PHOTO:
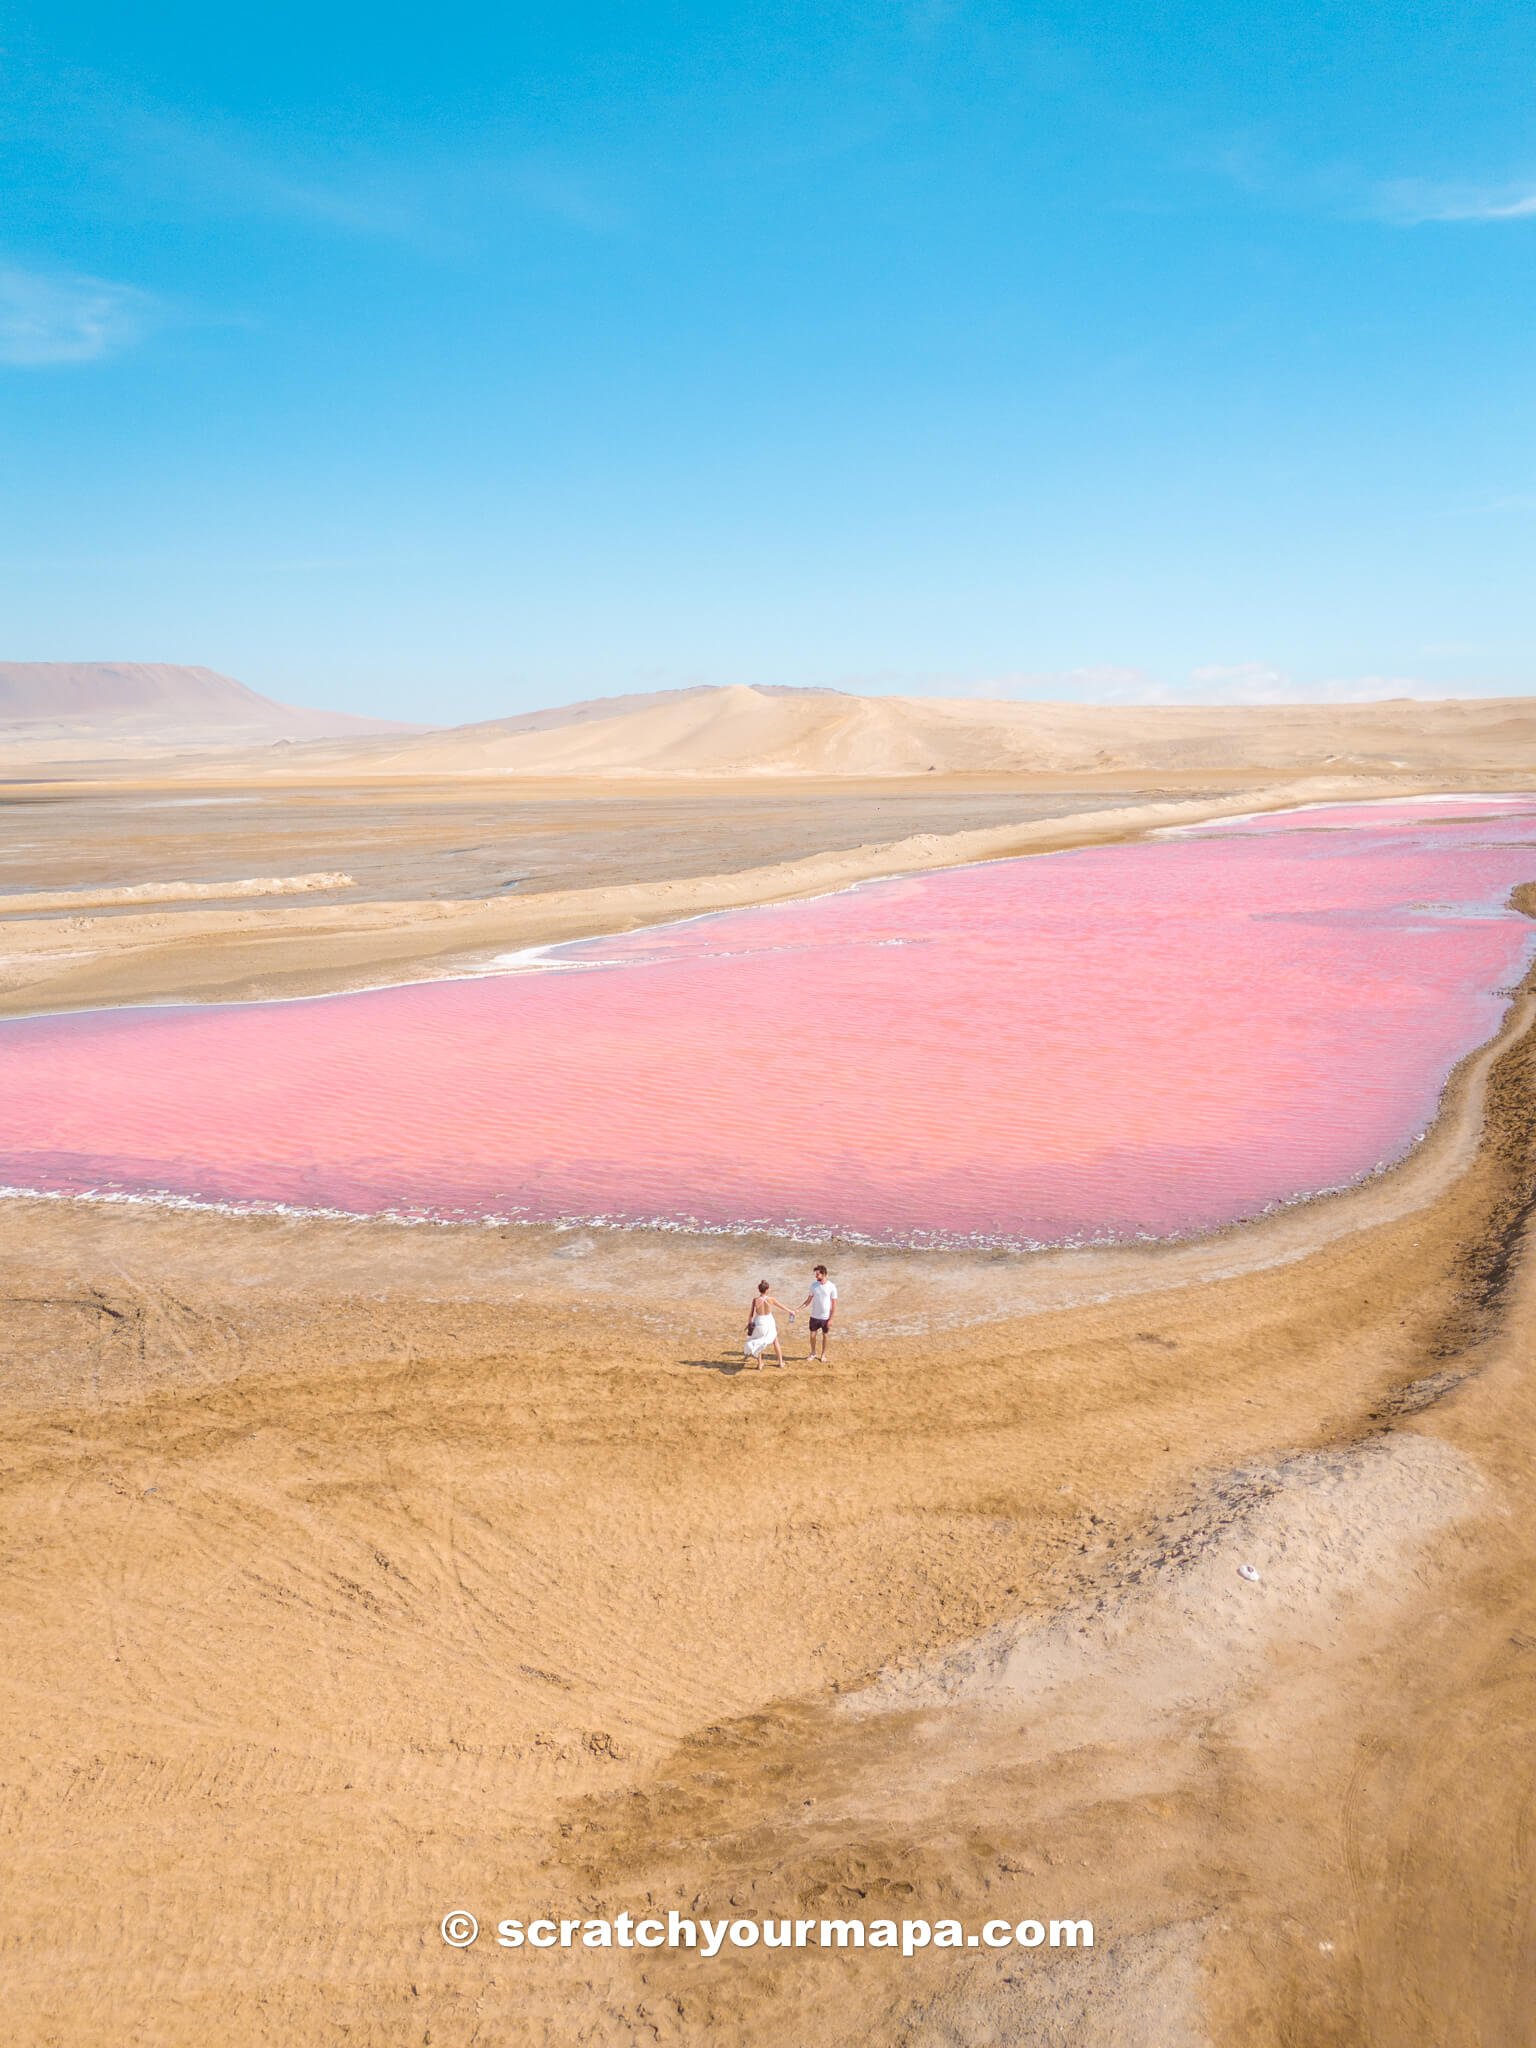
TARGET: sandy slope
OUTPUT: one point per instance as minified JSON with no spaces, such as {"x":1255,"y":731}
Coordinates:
{"x":741,"y":731}
{"x":736,"y":731}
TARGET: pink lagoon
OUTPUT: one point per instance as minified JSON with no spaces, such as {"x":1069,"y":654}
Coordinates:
{"x":1149,"y":1039}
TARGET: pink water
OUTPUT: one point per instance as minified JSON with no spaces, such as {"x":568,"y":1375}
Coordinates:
{"x":1144,"y":1039}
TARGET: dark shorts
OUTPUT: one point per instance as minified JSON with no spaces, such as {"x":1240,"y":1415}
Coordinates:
{"x":820,"y":1322}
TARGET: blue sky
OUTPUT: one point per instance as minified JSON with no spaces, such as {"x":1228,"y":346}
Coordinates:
{"x":443,"y":362}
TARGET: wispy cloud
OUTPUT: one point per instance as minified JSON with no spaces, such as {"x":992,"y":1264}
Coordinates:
{"x":1239,"y":682}
{"x":1104,"y":683}
{"x":1257,"y":682}
{"x":1242,"y":682}
{"x":1414,"y":202}
{"x":214,"y":167}
{"x":1251,"y":163}
{"x":1381,"y":689}
{"x":55,"y":317}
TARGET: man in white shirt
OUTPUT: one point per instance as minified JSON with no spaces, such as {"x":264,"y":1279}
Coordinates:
{"x":822,"y":1303}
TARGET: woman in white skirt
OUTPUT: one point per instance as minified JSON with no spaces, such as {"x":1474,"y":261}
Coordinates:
{"x":762,"y":1330}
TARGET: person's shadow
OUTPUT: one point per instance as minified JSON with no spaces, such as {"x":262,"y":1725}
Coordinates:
{"x":732,"y":1365}
{"x":727,"y":1367}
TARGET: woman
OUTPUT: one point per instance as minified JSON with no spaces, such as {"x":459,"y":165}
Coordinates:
{"x":762,"y":1330}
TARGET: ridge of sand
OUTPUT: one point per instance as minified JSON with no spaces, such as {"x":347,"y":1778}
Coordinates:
{"x":171,"y":892}
{"x":739,"y":731}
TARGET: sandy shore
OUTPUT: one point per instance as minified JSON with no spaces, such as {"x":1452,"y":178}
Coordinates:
{"x":359,"y":1572}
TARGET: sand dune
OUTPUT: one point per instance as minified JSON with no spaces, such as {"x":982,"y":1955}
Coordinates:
{"x":736,"y":731}
{"x":105,"y":711}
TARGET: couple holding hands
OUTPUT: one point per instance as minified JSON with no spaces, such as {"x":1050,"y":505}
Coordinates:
{"x":763,"y":1330}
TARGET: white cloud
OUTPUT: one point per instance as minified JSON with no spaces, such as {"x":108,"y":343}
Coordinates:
{"x":1106,"y":684}
{"x":1243,"y":682}
{"x":1416,"y":203}
{"x":1378,"y":689}
{"x":1240,"y":682}
{"x":1523,"y":208}
{"x":1254,"y":682}
{"x":62,"y":317}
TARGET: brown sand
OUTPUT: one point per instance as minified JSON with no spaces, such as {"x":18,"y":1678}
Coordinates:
{"x":356,"y":1573}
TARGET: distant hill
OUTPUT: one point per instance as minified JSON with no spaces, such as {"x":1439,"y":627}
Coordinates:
{"x":738,"y":731}
{"x":106,"y":710}
{"x":105,"y":707}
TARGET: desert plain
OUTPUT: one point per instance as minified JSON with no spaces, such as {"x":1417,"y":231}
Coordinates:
{"x":358,"y":1571}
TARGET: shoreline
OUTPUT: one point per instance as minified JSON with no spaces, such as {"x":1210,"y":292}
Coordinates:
{"x":1059,"y":1272}
{"x":962,"y":1287}
{"x":53,"y":966}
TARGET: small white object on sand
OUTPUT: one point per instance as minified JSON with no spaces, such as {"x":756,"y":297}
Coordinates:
{"x":1249,"y":1572}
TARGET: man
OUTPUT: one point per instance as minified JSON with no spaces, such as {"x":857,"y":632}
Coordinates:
{"x":822,"y":1303}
